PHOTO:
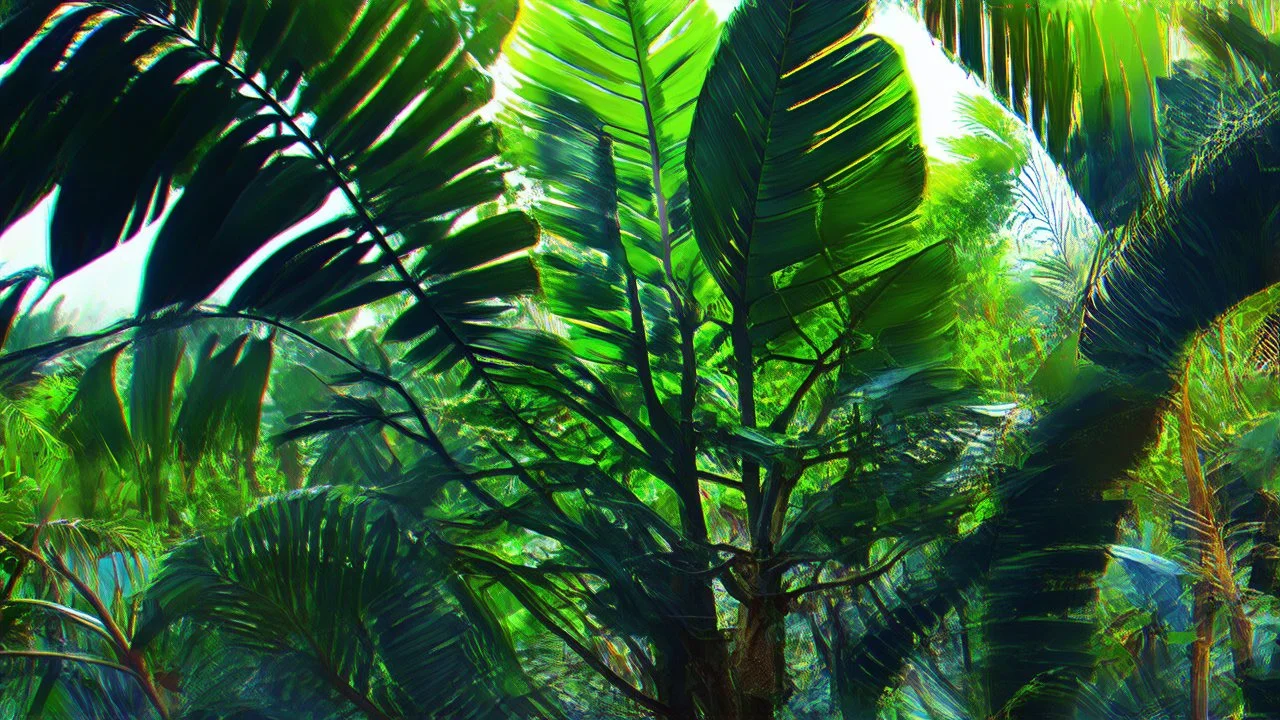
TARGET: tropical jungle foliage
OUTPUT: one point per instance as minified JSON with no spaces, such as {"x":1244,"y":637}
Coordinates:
{"x":635,"y":358}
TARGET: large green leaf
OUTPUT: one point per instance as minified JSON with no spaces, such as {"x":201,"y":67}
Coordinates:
{"x":804,"y":159}
{"x":205,"y":420}
{"x":637,"y":66}
{"x":156,"y":360}
{"x":604,"y":98}
{"x":94,"y":421}
{"x":93,"y":425}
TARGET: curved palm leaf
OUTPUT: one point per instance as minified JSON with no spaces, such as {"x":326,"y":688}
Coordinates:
{"x":236,"y":119}
{"x":1191,"y":256}
{"x":345,"y":597}
{"x":220,"y":407}
{"x":94,"y":426}
{"x":1188,"y":258}
{"x":1040,"y":558}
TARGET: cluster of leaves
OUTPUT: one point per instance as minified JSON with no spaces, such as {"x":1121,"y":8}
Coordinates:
{"x":703,"y":412}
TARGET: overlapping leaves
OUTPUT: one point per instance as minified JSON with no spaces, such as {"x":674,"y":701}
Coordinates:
{"x":1082,"y":74}
{"x":355,"y":603}
{"x":232,"y":122}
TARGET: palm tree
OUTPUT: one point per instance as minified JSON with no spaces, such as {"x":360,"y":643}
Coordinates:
{"x":726,"y":370}
{"x":842,"y":322}
{"x":1161,"y":286}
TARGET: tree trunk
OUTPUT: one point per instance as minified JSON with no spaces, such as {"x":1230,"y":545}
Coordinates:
{"x":694,"y":675}
{"x":1203,"y":613}
{"x":759,"y":662}
{"x":694,"y":678}
{"x":1214,"y":561}
{"x":672,"y":667}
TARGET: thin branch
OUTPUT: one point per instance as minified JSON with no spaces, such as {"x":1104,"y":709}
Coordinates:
{"x":69,"y":613}
{"x":853,"y":580}
{"x":12,"y":584}
{"x":123,"y":650}
{"x":821,"y":367}
{"x":57,"y":347}
{"x":46,"y":655}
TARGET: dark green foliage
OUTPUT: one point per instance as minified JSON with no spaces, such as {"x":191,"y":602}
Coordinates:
{"x":756,"y":412}
{"x":341,"y":601}
{"x":1169,"y":278}
{"x":1081,"y":74}
{"x":1191,"y":256}
{"x":269,"y":111}
{"x":776,"y":159}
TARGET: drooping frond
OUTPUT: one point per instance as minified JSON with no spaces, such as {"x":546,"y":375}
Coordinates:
{"x":1081,"y":73}
{"x":356,"y":605}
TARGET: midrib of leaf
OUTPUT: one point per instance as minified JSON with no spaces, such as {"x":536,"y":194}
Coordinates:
{"x":749,"y":229}
{"x":686,"y":475}
{"x":331,"y":675}
{"x":641,"y":46}
{"x":742,"y":349}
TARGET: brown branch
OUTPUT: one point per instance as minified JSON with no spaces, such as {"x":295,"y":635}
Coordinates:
{"x":12,"y":584}
{"x":123,"y":651}
{"x":1215,"y":563}
{"x":69,"y":613}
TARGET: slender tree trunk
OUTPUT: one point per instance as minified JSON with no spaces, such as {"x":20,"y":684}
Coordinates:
{"x":1204,"y":603}
{"x":759,"y":661}
{"x":1215,"y":563}
{"x":694,"y":666}
{"x":1226,"y":362}
{"x":713,"y":674}
{"x":1205,"y":609}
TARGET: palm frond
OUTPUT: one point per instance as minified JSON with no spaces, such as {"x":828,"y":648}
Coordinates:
{"x":229,"y":123}
{"x":1081,"y":74}
{"x":334,"y":583}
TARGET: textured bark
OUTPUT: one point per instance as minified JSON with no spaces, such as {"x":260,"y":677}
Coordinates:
{"x":759,"y":661}
{"x":1215,"y":563}
{"x":1204,"y":611}
{"x":694,"y":672}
